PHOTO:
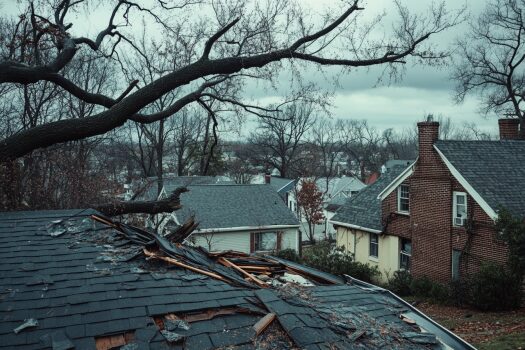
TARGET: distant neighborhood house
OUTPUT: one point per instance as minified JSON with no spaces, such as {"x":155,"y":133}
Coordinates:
{"x":437,"y":216}
{"x":358,"y":223}
{"x":245,"y":218}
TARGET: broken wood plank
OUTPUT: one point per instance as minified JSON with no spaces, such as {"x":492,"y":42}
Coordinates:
{"x":263,"y":323}
{"x":180,"y":264}
{"x":228,"y":263}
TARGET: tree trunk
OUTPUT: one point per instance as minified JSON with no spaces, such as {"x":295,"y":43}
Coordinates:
{"x":167,"y":205}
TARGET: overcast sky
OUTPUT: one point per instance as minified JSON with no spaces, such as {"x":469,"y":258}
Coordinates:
{"x":423,"y":90}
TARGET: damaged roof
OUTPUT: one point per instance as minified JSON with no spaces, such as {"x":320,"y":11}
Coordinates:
{"x":74,"y":279}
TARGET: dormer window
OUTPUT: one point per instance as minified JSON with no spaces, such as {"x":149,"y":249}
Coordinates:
{"x":403,"y":199}
{"x":459,"y":210}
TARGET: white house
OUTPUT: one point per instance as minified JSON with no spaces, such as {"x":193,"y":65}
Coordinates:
{"x":246,"y":218}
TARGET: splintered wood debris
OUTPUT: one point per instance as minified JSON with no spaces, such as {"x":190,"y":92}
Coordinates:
{"x":311,"y":307}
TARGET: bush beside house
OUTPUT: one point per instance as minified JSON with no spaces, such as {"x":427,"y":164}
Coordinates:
{"x":325,"y":257}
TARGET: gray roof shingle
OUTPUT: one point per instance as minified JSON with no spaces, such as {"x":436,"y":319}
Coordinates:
{"x":495,"y":169}
{"x":78,"y":289}
{"x":226,"y":206}
{"x":364,"y":209}
{"x":281,"y":184}
{"x":170,"y":183}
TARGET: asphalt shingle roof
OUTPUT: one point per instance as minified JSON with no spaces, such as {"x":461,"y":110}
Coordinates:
{"x":76,"y":287}
{"x":495,"y":169}
{"x":170,"y":183}
{"x":226,"y":206}
{"x":81,"y":280}
{"x":364,"y":209}
{"x":281,"y":184}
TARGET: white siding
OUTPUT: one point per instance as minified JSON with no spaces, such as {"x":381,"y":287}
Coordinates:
{"x":290,"y":239}
{"x":240,"y":240}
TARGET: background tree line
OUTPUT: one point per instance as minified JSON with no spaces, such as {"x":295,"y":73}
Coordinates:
{"x":80,"y":115}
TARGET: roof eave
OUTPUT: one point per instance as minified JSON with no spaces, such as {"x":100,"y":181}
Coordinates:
{"x":245,"y":228}
{"x":345,"y":224}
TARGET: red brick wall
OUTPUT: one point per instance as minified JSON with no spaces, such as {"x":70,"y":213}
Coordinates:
{"x":430,"y":227}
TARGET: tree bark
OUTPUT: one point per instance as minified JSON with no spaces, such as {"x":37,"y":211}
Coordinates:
{"x":167,"y":205}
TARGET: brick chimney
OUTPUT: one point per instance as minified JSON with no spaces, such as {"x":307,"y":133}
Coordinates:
{"x":428,"y":133}
{"x":267,"y":178}
{"x":509,"y":129}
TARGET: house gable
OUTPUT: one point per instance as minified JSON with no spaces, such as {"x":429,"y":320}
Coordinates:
{"x":468,"y":188}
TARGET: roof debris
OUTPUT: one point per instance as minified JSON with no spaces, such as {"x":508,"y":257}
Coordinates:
{"x":28,"y":323}
{"x":115,"y":285}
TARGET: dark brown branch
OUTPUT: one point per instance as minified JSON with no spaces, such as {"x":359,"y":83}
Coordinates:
{"x":127,"y":109}
{"x":215,"y":37}
{"x":177,"y":106}
{"x":327,"y":29}
{"x":215,"y":137}
{"x":167,"y":205}
{"x":128,"y":90}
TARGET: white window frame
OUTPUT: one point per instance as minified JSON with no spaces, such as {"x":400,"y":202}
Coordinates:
{"x":399,"y":199}
{"x":370,"y":245}
{"x":405,"y":253}
{"x":455,"y":195}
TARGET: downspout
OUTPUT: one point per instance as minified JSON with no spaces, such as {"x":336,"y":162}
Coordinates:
{"x":355,"y":242}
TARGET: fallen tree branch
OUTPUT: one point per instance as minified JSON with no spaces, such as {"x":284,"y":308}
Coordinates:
{"x":167,"y":205}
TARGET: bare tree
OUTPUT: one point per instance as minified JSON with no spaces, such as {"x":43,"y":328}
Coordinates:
{"x":491,"y":59}
{"x":363,"y":144}
{"x":187,"y":136}
{"x":64,"y":176}
{"x":281,"y":141}
{"x":250,"y":46}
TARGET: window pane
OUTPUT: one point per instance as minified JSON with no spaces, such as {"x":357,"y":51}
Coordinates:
{"x":404,"y":261}
{"x":265,"y":241}
{"x":461,"y":211}
{"x":404,"y":195}
{"x":406,"y":246}
{"x":374,"y":245}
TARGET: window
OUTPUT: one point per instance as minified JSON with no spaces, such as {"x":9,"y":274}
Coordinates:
{"x":405,"y":254}
{"x":374,"y":245}
{"x":403,"y":198}
{"x":265,"y":241}
{"x":459,"y":210}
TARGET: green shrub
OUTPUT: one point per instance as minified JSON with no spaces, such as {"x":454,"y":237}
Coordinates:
{"x":400,"y":282}
{"x":460,"y":292}
{"x":495,"y":288}
{"x":440,"y":293}
{"x":421,"y":286}
{"x":288,"y":254}
{"x":325,"y":257}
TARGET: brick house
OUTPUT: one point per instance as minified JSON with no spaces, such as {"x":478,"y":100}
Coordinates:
{"x":441,"y":210}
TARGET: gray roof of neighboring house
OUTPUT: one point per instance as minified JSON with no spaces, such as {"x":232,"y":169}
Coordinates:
{"x":337,"y":185}
{"x":364,"y":209}
{"x":149,"y":190}
{"x":81,"y":280}
{"x":398,"y":162}
{"x":225,"y":206}
{"x":495,"y":169}
{"x":282,"y":185}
